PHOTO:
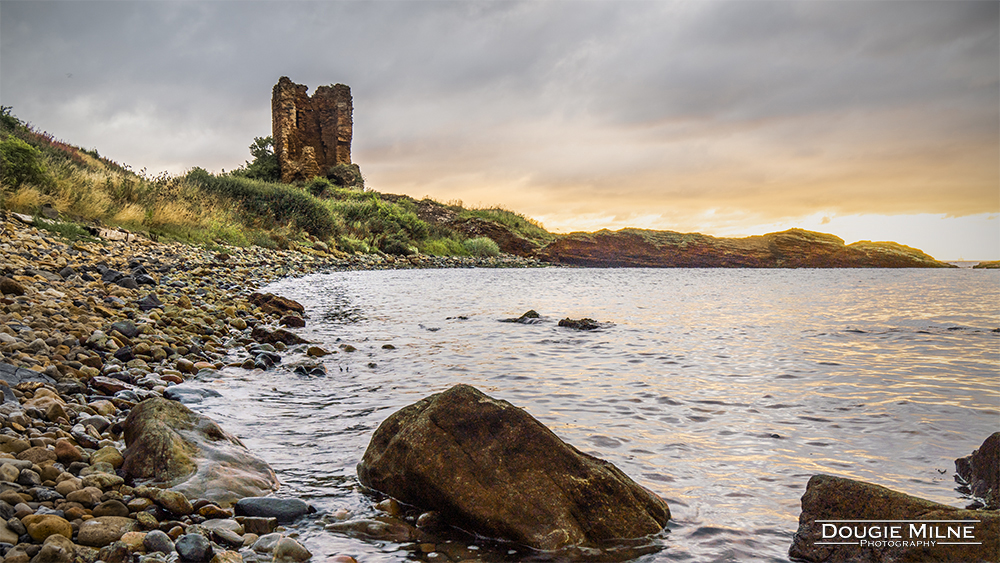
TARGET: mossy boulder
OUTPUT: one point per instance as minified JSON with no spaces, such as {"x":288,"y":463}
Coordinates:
{"x":829,"y":499}
{"x":169,"y":445}
{"x":493,"y":469}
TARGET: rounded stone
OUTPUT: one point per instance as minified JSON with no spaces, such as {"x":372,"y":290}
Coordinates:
{"x":193,"y":547}
{"x":37,"y":455}
{"x":103,"y":530}
{"x":134,"y":541}
{"x":158,"y":541}
{"x":284,"y":509}
{"x":288,"y":549}
{"x":41,"y":526}
{"x":56,"y":549}
{"x":103,"y":481}
{"x":111,"y":508}
{"x":66,"y":452}
{"x":87,"y":496}
{"x":108,"y":454}
{"x":174,"y":502}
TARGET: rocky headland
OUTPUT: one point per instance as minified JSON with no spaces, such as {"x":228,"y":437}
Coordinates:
{"x":794,"y":248}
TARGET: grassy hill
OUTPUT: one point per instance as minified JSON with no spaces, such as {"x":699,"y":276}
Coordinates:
{"x":41,"y":175}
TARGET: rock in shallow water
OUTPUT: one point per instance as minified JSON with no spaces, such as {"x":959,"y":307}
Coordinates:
{"x":828,"y":499}
{"x":168,"y":444}
{"x":497,"y":471}
{"x":284,"y":509}
{"x":981,"y":471}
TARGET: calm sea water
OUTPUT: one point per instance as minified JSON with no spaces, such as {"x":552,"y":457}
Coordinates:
{"x":721,"y":390}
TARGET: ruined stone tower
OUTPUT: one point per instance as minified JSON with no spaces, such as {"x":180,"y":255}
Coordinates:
{"x":311,"y":134}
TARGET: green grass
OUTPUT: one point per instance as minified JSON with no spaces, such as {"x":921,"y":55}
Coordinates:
{"x":481,"y":247}
{"x":69,"y":231}
{"x":234,"y":208}
{"x":270,"y":205}
{"x":516,"y":222}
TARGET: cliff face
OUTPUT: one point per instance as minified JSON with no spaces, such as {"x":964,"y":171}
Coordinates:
{"x":795,"y":248}
{"x":311,"y":134}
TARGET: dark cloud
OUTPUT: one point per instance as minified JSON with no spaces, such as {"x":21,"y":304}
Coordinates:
{"x":766,"y":108}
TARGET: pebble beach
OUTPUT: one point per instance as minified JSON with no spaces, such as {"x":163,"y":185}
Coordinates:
{"x":90,"y":328}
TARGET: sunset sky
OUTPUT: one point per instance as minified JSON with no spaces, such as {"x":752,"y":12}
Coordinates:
{"x":868,"y":120}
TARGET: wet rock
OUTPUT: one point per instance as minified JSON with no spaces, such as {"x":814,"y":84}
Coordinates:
{"x":227,"y":524}
{"x":193,"y":547}
{"x":258,"y":524}
{"x":274,"y":304}
{"x":173,"y":501}
{"x":189,"y":395}
{"x":314,"y":370}
{"x":580,"y":324}
{"x":981,"y":472}
{"x":293,"y":321}
{"x":379,"y":528}
{"x":283,"y":509}
{"x":266,"y":543}
{"x":529,"y":317}
{"x":835,"y":498}
{"x":170,"y":445}
{"x":316,"y":352}
{"x":264,"y":336}
{"x":499,"y":472}
{"x":158,"y":541}
{"x":287,"y":549}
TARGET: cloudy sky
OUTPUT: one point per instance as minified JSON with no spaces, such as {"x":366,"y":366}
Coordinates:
{"x":869,"y":120}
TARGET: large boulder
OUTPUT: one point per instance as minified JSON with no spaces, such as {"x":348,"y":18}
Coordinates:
{"x":169,"y":445}
{"x":491,"y":468}
{"x":845,"y":520}
{"x":981,"y":471}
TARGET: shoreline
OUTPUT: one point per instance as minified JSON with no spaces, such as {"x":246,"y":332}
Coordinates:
{"x":91,"y":328}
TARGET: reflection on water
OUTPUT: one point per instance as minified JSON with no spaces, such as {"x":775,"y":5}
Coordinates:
{"x":721,"y":390}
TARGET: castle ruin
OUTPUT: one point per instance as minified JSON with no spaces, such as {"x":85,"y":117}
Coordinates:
{"x":311,"y":134}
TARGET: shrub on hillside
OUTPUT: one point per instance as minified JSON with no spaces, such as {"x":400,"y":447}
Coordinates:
{"x":443,"y":247}
{"x":272,"y":204}
{"x":372,"y":216}
{"x":397,"y":244}
{"x":20,"y":163}
{"x":319,"y":186}
{"x":481,"y":247}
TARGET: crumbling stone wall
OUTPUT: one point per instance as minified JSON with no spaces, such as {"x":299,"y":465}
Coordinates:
{"x":311,"y":134}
